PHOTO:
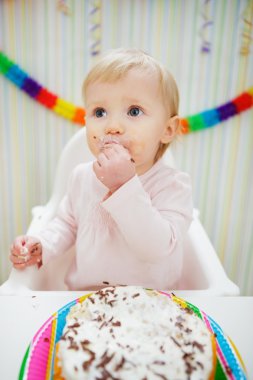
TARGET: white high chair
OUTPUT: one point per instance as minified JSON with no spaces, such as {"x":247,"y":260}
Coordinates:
{"x":202,"y":270}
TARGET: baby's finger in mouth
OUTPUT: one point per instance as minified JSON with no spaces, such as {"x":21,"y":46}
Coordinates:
{"x":23,"y":258}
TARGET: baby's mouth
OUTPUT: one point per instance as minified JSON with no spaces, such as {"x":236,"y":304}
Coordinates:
{"x":109,"y":139}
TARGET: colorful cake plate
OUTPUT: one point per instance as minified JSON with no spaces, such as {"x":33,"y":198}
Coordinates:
{"x":38,"y":361}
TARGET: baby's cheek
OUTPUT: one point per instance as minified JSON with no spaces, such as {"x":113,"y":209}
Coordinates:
{"x":136,"y":148}
{"x":93,"y":145}
{"x":136,"y":143}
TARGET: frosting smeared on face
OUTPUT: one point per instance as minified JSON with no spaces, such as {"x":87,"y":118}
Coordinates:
{"x":102,"y":141}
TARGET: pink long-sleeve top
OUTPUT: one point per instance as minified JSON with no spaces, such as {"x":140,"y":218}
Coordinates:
{"x":134,"y":237}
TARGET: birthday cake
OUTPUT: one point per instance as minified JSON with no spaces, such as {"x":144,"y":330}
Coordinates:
{"x":133,"y":333}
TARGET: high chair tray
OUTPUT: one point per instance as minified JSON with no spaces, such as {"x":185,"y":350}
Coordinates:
{"x":38,"y":361}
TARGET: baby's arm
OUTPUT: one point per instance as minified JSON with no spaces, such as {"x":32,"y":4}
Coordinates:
{"x":152,"y":227}
{"x":60,"y":234}
{"x":52,"y":241}
{"x":56,"y":238}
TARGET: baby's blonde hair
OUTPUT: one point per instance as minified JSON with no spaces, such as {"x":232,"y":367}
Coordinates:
{"x":118,"y":62}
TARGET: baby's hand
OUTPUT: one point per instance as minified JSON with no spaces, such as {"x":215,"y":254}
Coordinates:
{"x":114,"y":166}
{"x":26,"y":251}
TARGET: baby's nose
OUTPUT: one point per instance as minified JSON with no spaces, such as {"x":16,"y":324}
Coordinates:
{"x":114,"y":130}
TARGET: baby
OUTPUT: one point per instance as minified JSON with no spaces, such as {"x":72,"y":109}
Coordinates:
{"x":126,"y":212}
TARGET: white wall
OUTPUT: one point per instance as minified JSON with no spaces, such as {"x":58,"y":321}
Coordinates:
{"x":54,"y":49}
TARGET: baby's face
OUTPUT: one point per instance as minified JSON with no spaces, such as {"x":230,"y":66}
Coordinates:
{"x":131,"y":112}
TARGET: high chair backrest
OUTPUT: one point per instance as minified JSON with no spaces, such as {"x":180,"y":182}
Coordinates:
{"x":74,"y":152}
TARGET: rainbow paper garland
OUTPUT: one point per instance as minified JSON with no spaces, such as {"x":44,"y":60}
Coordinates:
{"x":209,"y":118}
{"x":39,"y":93}
{"x":200,"y":121}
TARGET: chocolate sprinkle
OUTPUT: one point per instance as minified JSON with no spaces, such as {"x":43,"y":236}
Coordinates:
{"x":189,"y":368}
{"x":159,"y":362}
{"x":120,"y":364}
{"x":161,"y":376}
{"x":88,"y":362}
{"x":162,"y":349}
{"x":116,"y":324}
{"x":102,"y":325}
{"x":200,"y":365}
{"x":105,"y":359}
{"x":84,"y":343}
{"x":111,"y":302}
{"x":106,"y":375}
{"x":74,"y":325}
{"x":198,"y":345}
{"x":175,"y":341}
{"x":73,"y":345}
{"x":179,"y":325}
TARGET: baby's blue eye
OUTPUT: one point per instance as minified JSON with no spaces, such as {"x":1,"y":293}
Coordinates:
{"x":100,"y":112}
{"x":135,"y":111}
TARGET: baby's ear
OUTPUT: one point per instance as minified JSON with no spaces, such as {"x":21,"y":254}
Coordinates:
{"x":171,"y":130}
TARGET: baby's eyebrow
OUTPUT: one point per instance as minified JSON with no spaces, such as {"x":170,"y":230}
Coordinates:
{"x":95,"y":104}
{"x":132,"y":100}
{"x":136,"y":101}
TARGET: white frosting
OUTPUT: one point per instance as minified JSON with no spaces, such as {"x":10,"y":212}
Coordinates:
{"x":132,"y":333}
{"x":24,"y":250}
{"x":25,"y":254}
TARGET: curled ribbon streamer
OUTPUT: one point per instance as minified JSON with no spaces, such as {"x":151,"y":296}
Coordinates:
{"x":247,"y":18}
{"x":205,"y":13}
{"x":95,"y":16}
{"x":202,"y":120}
